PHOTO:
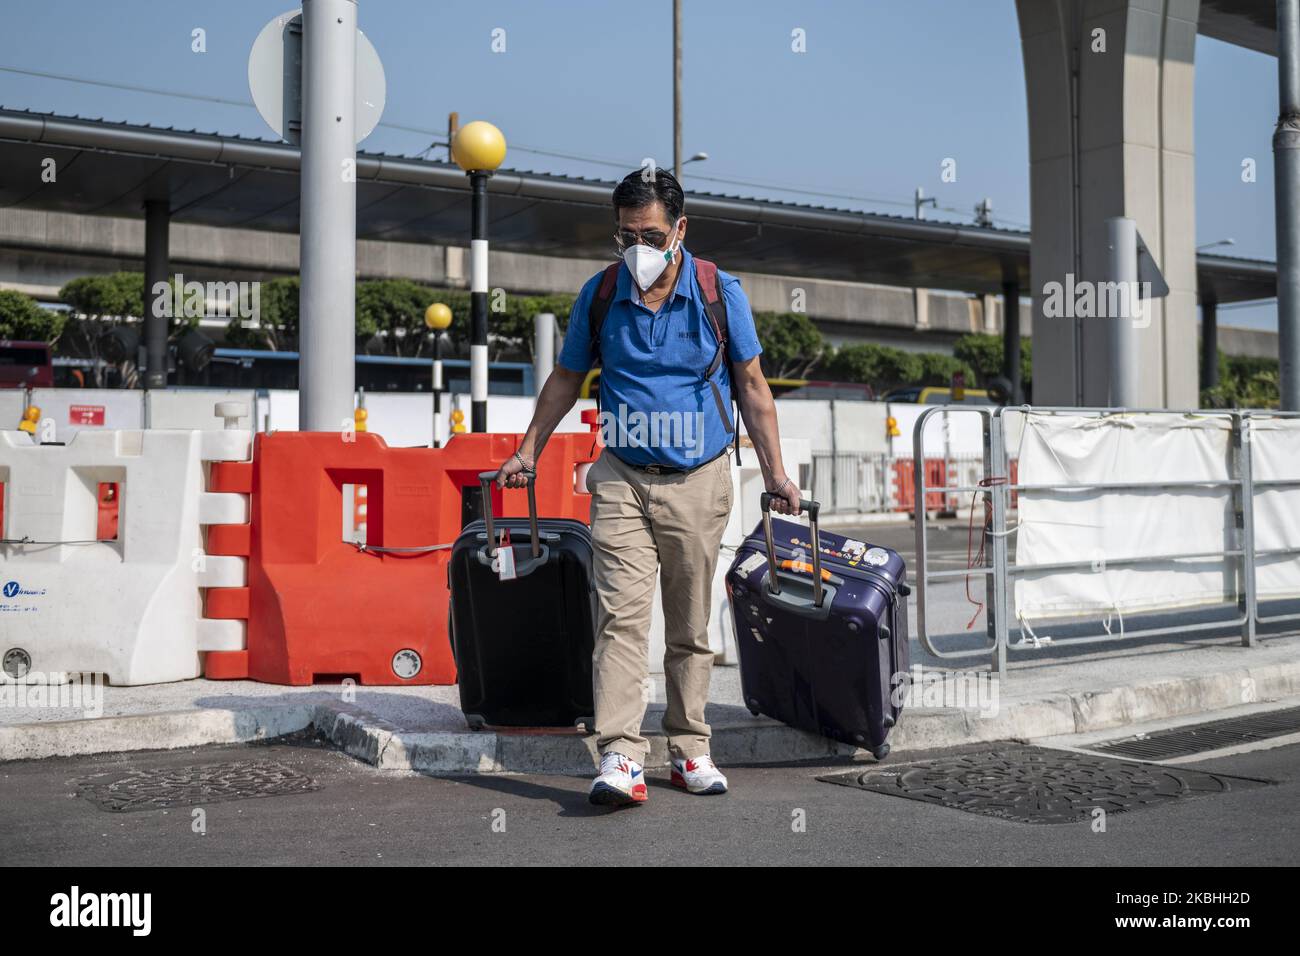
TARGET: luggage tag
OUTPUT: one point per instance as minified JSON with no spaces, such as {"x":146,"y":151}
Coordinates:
{"x":504,"y":562}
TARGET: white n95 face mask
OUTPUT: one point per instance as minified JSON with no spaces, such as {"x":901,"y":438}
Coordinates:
{"x":647,"y":264}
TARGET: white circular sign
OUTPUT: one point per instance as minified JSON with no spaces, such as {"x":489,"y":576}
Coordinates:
{"x":407,"y":663}
{"x":275,"y":79}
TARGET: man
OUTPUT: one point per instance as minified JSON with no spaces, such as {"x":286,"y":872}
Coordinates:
{"x":661,"y":488}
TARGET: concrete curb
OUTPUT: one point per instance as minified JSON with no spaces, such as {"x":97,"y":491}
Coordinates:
{"x":170,"y":730}
{"x":739,"y":739}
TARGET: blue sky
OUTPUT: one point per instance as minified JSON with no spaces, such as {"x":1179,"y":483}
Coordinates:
{"x":886,"y":90}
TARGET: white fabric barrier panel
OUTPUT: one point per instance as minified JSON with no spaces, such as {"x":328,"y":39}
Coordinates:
{"x":66,"y":411}
{"x":1275,"y":455}
{"x":79,"y":598}
{"x":1100,"y":527}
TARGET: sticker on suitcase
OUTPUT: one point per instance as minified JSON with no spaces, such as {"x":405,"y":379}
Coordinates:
{"x":851,"y":553}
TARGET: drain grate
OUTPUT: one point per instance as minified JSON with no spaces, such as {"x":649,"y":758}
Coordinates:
{"x":127,"y":790}
{"x":1200,"y":738}
{"x":1037,"y":785}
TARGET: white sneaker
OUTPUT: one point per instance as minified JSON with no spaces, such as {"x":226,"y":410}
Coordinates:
{"x":621,"y":781}
{"x":698,"y":775}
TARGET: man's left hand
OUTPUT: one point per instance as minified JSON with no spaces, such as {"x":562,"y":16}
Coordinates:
{"x":785,"y":496}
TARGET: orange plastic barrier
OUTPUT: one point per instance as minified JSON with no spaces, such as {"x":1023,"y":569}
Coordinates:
{"x":904,"y":483}
{"x":321,"y":607}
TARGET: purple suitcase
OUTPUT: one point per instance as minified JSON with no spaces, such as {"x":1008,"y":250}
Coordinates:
{"x":825,"y":650}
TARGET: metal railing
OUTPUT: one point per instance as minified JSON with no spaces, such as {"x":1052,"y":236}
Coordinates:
{"x":996,"y":490}
{"x":875,"y":482}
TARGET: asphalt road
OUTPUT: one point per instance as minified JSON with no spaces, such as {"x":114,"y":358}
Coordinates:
{"x":361,"y":816}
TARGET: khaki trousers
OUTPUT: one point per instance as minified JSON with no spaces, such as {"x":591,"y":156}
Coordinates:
{"x":643,"y":524}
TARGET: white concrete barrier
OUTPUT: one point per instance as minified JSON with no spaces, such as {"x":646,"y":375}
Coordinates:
{"x":13,"y":402}
{"x":193,"y":407}
{"x":66,"y":411}
{"x":125,"y":602}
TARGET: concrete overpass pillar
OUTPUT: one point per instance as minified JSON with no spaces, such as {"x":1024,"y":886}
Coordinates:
{"x":1110,"y":86}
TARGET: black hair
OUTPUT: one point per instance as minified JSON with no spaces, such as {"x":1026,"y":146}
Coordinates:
{"x":638,"y":190}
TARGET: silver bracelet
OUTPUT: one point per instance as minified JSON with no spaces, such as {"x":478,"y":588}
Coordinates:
{"x":781,"y":487}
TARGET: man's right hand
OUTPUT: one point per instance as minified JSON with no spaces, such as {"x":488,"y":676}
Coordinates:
{"x":511,"y":475}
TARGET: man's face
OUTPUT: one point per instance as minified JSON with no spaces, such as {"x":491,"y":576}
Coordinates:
{"x":648,"y":224}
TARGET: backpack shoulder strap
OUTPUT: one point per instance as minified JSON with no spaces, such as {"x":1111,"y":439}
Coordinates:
{"x":715,"y":306}
{"x":600,"y":304}
{"x":706,"y":276}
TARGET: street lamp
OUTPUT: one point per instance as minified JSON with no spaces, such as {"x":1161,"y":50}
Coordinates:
{"x":438,"y":318}
{"x":479,"y":149}
{"x":1221,"y":242}
{"x":697,"y":158}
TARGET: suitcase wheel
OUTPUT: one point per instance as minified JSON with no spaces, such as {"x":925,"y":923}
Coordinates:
{"x":586,"y":724}
{"x":475,"y":721}
{"x":753,"y":708}
{"x":881,"y":752}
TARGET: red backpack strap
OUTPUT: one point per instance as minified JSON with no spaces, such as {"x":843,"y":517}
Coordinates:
{"x":600,"y":304}
{"x":706,"y":277}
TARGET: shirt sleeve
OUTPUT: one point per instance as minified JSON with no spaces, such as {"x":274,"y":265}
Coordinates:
{"x":742,"y":336}
{"x":576,"y":353}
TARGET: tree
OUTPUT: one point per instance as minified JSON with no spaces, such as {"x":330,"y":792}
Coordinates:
{"x":1244,"y":382}
{"x":984,"y":354}
{"x":938,"y":369}
{"x":513,"y":328}
{"x":23,"y":319}
{"x":393,"y":310}
{"x":791,"y":343}
{"x":879,"y":366}
{"x":277,"y":324}
{"x":100,"y":304}
{"x":118,"y":295}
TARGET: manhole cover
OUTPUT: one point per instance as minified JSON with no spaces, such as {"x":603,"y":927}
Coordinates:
{"x":1200,"y":738}
{"x":1037,"y":785}
{"x":126,"y":790}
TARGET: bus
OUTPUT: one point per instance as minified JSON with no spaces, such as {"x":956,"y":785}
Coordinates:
{"x":25,"y":364}
{"x":937,"y":395}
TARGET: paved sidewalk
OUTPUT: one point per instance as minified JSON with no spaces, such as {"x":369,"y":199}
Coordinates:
{"x":422,"y":728}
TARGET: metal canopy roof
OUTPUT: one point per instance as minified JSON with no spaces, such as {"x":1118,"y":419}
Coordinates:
{"x":1248,"y":23}
{"x":110,"y":169}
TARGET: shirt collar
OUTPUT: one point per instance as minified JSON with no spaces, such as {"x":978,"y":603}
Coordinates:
{"x":685,"y":279}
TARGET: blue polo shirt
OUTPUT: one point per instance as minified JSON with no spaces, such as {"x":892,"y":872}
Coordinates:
{"x":656,"y":408}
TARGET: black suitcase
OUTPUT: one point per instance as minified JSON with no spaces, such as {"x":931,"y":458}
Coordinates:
{"x":826,"y":651}
{"x":523,"y":647}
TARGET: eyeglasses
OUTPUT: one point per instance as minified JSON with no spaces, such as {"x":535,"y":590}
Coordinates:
{"x":626,"y":238}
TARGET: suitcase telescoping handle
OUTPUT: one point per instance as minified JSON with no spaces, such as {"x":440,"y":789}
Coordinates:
{"x":812,"y":507}
{"x":485,"y":479}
